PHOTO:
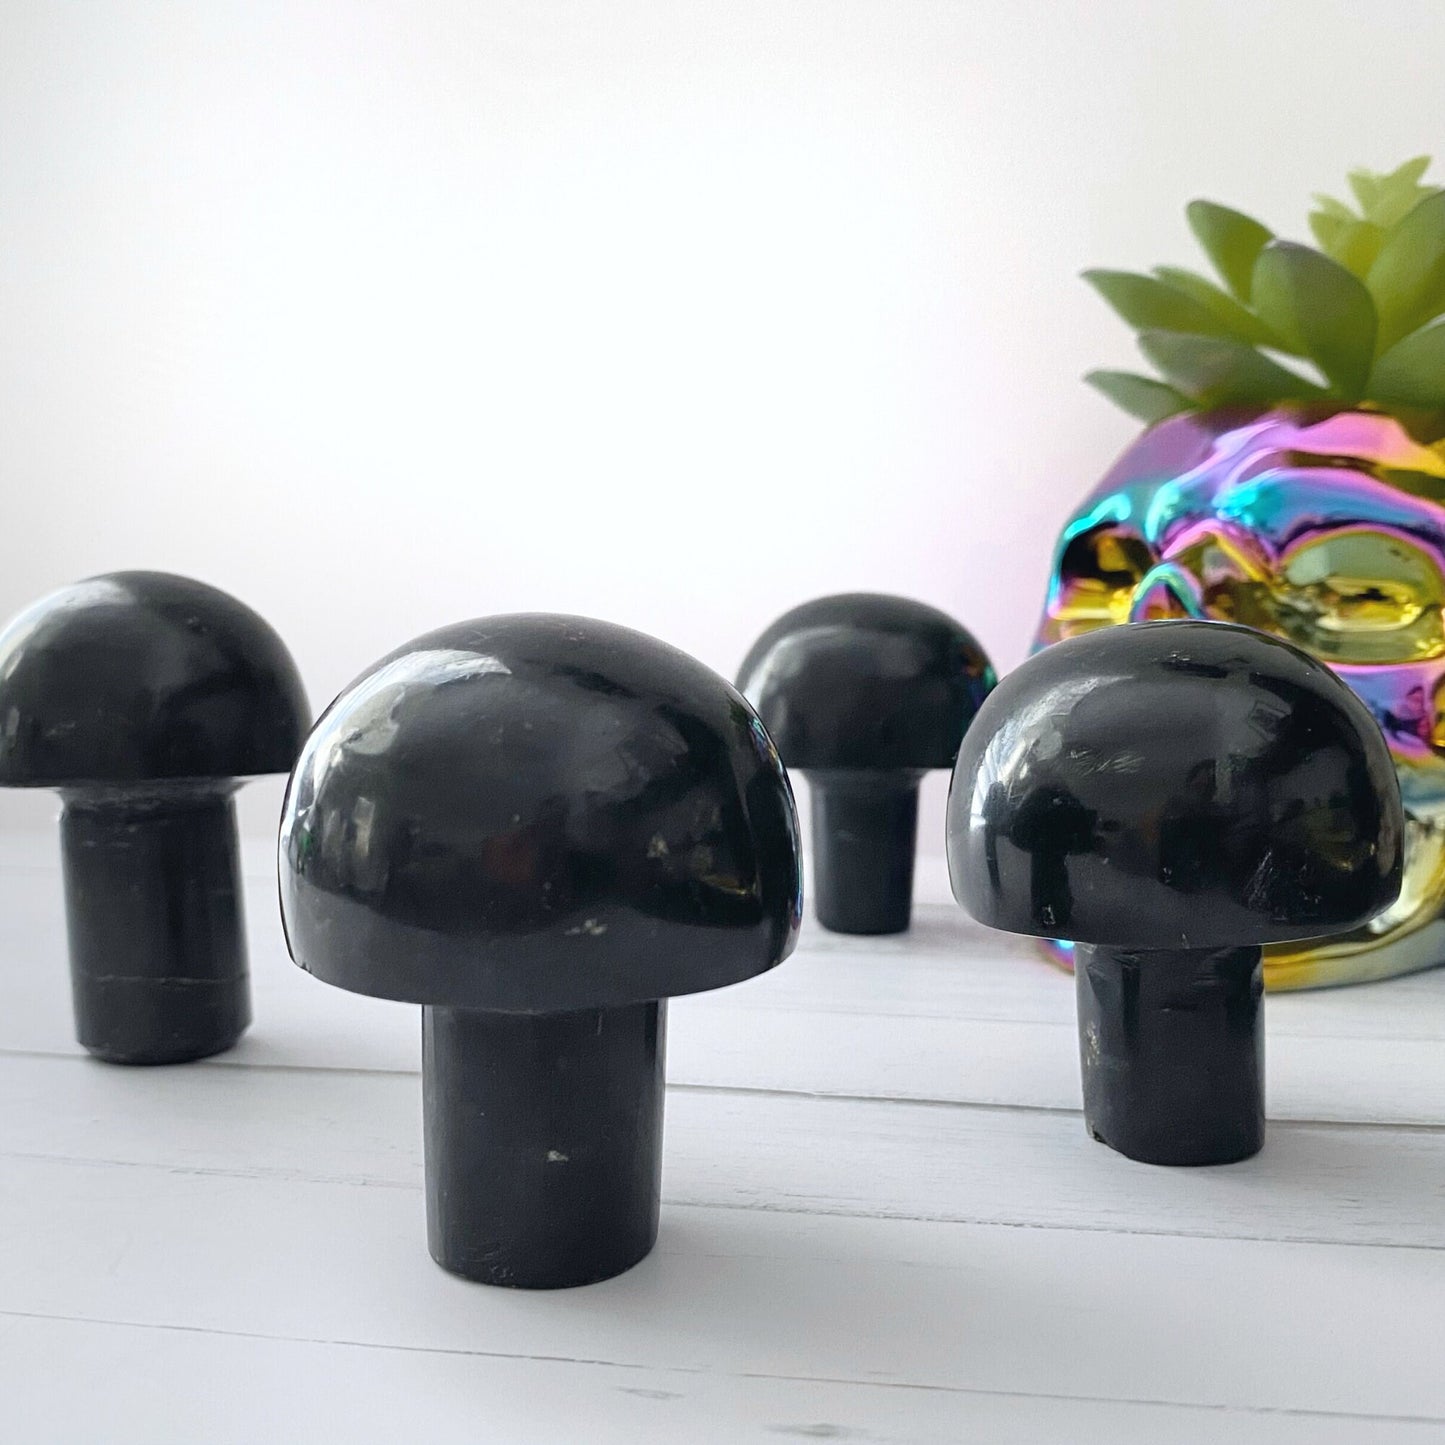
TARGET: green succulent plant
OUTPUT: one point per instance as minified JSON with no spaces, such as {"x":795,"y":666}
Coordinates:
{"x":1358,"y":320}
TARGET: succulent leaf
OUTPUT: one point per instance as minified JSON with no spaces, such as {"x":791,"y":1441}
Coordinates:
{"x":1234,"y":320}
{"x":1321,"y":309}
{"x":1384,"y":199}
{"x":1356,"y":246}
{"x":1407,"y":278}
{"x":1410,"y":172}
{"x":1411,"y":373}
{"x":1231,"y":240}
{"x":1215,"y":371}
{"x":1364,"y":313}
{"x":1366,"y":186}
{"x":1140,"y":396}
{"x":1327,"y":228}
{"x":1146,"y":303}
{"x":1397,"y":194}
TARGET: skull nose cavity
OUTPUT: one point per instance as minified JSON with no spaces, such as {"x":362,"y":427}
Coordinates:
{"x":1166,"y":590}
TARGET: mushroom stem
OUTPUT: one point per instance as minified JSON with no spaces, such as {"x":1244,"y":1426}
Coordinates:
{"x":543,"y":1141}
{"x":865,"y":833}
{"x":153,"y":909}
{"x":1172,"y":1047}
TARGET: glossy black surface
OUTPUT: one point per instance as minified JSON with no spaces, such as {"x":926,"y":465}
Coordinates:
{"x":1171,"y":1046}
{"x":537,"y":814}
{"x":145,"y":698}
{"x":1174,"y":784}
{"x":864,"y":680}
{"x":864,"y":693}
{"x":538,"y":827}
{"x":153,"y":907}
{"x":543,"y":1142}
{"x":865,"y":827}
{"x":1171,"y":795}
{"x":137,"y":676}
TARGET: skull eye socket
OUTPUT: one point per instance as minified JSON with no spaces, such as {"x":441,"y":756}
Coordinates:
{"x":1097,"y":574}
{"x":1362,"y":596}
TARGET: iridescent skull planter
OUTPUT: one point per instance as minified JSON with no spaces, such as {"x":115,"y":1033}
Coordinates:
{"x":1322,"y":526}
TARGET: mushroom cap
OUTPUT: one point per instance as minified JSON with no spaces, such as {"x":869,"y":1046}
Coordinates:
{"x":532,"y":814}
{"x":1174,"y":785}
{"x":866,"y":681}
{"x":138,"y":677}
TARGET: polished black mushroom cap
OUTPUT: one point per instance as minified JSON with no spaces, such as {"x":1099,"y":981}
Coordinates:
{"x":146,"y":699}
{"x":1174,"y":785}
{"x":537,"y":813}
{"x":141,"y":676}
{"x":862,"y":680}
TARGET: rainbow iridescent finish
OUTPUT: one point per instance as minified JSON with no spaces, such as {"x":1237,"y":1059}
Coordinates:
{"x":1323,"y":527}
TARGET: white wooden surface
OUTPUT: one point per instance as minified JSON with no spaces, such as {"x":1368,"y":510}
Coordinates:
{"x":882,"y":1222}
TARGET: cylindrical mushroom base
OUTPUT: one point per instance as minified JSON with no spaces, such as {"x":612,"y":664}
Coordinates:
{"x":543,"y":1142}
{"x":865,"y":834}
{"x":153,"y":909}
{"x":1172,"y":1047}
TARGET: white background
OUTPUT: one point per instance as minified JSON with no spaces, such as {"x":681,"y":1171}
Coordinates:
{"x":675,"y":313}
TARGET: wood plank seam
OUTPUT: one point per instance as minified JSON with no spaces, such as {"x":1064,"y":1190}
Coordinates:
{"x":734,"y":1374}
{"x":756,"y":1206}
{"x":1293,"y":1122}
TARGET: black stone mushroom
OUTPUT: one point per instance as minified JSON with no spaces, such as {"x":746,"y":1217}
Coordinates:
{"x":864,"y":693}
{"x":146,"y":700}
{"x":1170,"y":796}
{"x":539,"y":828}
